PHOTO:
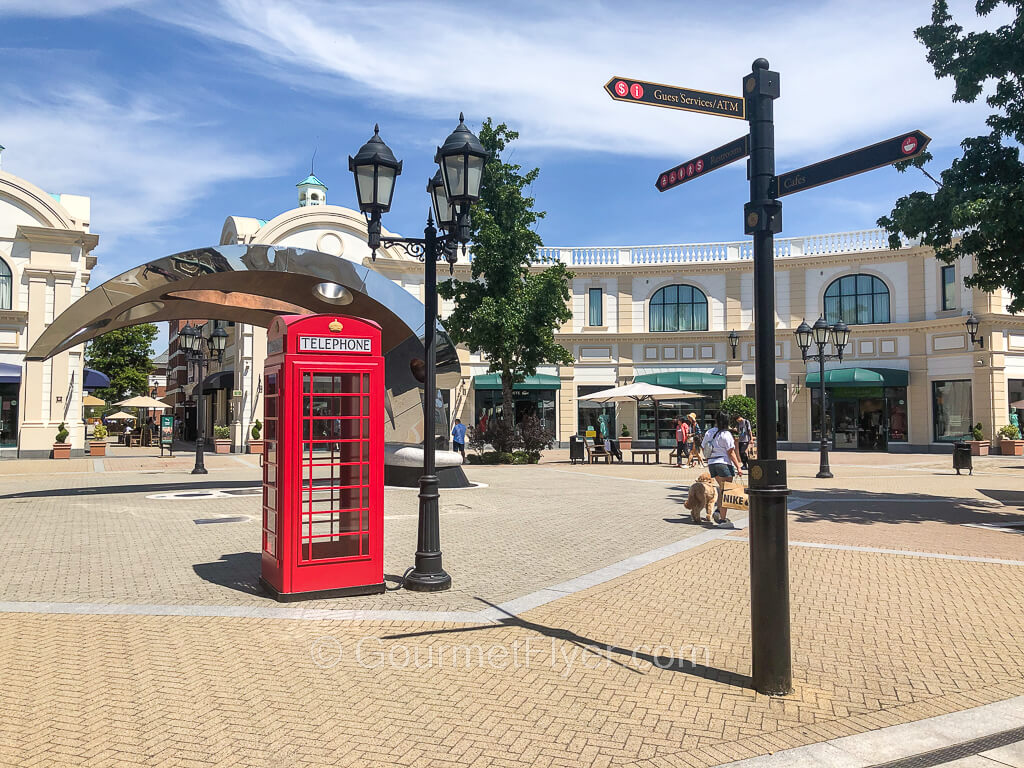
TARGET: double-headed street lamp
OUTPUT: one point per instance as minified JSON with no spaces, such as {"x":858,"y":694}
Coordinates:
{"x":821,"y":334}
{"x":453,"y":189}
{"x":191,"y":338}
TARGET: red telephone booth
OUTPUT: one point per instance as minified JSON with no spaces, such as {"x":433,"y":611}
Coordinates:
{"x":323,"y":471}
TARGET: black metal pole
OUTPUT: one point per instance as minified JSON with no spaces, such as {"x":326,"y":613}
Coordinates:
{"x":823,"y":469}
{"x":769,"y":564}
{"x":428,"y":575}
{"x":200,"y":468}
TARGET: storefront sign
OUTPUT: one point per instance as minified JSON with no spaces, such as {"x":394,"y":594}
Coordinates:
{"x":166,"y":431}
{"x":346,"y":344}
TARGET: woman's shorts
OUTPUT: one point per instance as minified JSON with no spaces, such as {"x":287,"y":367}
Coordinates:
{"x":722,"y":470}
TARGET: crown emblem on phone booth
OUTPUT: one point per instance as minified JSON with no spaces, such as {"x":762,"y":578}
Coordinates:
{"x":336,"y":326}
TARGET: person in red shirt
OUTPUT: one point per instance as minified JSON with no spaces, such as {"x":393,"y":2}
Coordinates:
{"x":682,"y":439}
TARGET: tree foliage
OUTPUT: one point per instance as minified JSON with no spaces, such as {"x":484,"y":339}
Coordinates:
{"x":124,"y":355}
{"x":979,"y":206}
{"x":741,"y":405}
{"x":508,"y":312}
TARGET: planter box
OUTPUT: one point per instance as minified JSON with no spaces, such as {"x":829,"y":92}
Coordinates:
{"x":255,"y":446}
{"x":626,"y":443}
{"x":97,"y":447}
{"x":62,"y":450}
{"x":1011,"y":447}
{"x":979,"y":447}
{"x":221,"y":445}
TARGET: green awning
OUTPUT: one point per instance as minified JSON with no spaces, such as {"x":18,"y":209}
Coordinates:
{"x":859,"y":377}
{"x":540,"y":381}
{"x":692,"y":380}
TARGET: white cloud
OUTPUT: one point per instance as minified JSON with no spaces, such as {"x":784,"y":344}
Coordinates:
{"x":852,"y":73}
{"x":143,"y":161}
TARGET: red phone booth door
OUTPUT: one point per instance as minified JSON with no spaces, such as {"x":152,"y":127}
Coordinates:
{"x":271,"y":477}
{"x":341,"y":498}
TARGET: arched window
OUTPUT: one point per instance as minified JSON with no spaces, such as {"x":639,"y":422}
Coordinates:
{"x":857,"y":300}
{"x":679,"y":308}
{"x":6,"y":285}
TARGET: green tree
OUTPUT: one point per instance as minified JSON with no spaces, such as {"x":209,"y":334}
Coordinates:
{"x":508,"y":312}
{"x":124,"y":355}
{"x":978,"y":207}
{"x":741,"y":405}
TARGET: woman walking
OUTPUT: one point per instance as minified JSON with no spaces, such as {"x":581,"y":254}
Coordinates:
{"x":723,"y":462}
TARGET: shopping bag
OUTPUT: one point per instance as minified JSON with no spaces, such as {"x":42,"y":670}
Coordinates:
{"x":734,"y":496}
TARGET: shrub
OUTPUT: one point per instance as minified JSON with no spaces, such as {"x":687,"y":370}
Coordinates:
{"x":473,"y":458}
{"x":520,"y":457}
{"x":99,"y":433}
{"x":741,"y":405}
{"x":1009,"y":432}
{"x":625,"y":431}
{"x":221,"y":433}
{"x":255,"y":431}
{"x":976,"y":432}
{"x":62,"y":433}
{"x":496,"y":435}
{"x":533,"y":438}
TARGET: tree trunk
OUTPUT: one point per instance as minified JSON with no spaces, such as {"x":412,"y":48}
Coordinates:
{"x":508,"y":408}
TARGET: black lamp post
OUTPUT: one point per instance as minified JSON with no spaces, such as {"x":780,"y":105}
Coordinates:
{"x":820,"y":335}
{"x":734,"y":341}
{"x":192,"y":340}
{"x":453,"y":189}
{"x":972,"y":324}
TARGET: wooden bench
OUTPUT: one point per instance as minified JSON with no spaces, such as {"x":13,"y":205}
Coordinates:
{"x":642,"y":448}
{"x":595,"y":452}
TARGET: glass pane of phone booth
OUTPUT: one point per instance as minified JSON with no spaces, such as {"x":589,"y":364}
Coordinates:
{"x":270,"y":479}
{"x":335,"y":466}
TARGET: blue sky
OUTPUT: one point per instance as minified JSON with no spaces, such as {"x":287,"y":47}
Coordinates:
{"x":174,"y":115}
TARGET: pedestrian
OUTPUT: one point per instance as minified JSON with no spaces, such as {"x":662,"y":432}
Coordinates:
{"x":459,"y":437}
{"x":743,"y":438}
{"x":723,"y":463}
{"x":682,"y":440}
{"x":696,"y":437}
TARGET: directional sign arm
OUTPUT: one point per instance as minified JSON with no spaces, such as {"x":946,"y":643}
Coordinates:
{"x":906,"y":146}
{"x":674,"y":97}
{"x":709,"y":161}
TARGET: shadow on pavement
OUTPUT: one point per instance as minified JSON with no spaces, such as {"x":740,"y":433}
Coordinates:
{"x":685,"y":666}
{"x":843,"y":505}
{"x":109,"y":490}
{"x":238,"y":571}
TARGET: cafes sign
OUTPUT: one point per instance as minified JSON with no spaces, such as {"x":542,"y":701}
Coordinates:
{"x":346,"y":344}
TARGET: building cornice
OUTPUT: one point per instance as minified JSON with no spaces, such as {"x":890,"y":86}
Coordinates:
{"x":50,"y":235}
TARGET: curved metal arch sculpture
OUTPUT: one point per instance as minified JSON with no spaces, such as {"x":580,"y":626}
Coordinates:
{"x":253,"y":284}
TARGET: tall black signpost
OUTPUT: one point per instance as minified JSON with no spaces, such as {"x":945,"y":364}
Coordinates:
{"x":771,"y":664}
{"x":762,"y":219}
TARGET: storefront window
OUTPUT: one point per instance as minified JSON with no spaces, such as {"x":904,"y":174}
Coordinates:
{"x":951,"y":410}
{"x":865,"y":418}
{"x":590,"y":415}
{"x":896,"y":402}
{"x":1015,"y":389}
{"x":528,"y":402}
{"x":706,"y":409}
{"x":781,"y":409}
{"x":8,"y":415}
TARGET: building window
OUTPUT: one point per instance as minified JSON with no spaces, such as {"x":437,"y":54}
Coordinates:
{"x":951,"y":410}
{"x":857,"y":300}
{"x":6,"y":285}
{"x":781,"y":409}
{"x":949,"y":287}
{"x":591,"y":416}
{"x":705,"y":408}
{"x":527,"y":402}
{"x":678,"y":308}
{"x":595,"y":314}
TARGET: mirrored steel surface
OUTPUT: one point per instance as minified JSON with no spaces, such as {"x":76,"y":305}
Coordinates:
{"x":253,"y":284}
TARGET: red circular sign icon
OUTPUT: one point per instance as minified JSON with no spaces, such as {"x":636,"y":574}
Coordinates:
{"x":636,"y":91}
{"x":689,"y":170}
{"x":663,"y":181}
{"x":700,"y":166}
{"x":909,"y":145}
{"x":672,"y":177}
{"x":621,"y":89}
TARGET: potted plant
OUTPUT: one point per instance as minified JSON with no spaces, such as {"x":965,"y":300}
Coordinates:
{"x":98,"y":444}
{"x":979,"y":445}
{"x":625,"y":439}
{"x":1010,"y":443}
{"x":221,"y":440}
{"x":62,"y":448}
{"x":255,"y":443}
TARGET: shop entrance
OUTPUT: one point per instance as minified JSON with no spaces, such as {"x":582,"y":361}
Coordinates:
{"x":862,"y":418}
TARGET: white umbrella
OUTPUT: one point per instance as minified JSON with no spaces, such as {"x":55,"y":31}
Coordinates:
{"x":1017,"y":404}
{"x":120,"y":416}
{"x":143,"y":401}
{"x":639,"y":391}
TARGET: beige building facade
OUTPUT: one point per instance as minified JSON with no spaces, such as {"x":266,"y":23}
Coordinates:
{"x":45,"y":263}
{"x":911,"y":378}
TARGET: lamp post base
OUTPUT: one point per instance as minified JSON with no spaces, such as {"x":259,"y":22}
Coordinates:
{"x":824,"y":474}
{"x":417,"y":581}
{"x":200,"y":471}
{"x":428,"y":575}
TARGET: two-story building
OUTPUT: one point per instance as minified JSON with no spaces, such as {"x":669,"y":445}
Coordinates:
{"x":911,"y":378}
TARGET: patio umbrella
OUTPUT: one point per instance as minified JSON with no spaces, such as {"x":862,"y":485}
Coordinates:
{"x":1017,"y":404}
{"x":90,"y":400}
{"x":639,"y":391}
{"x":120,"y":416}
{"x":143,"y":401}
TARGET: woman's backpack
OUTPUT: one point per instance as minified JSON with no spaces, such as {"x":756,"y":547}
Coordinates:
{"x":708,"y":446}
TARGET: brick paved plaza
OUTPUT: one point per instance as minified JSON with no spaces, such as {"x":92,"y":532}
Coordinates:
{"x":590,"y":622}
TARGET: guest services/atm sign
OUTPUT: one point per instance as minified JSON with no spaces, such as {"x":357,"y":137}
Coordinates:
{"x":335,"y":344}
